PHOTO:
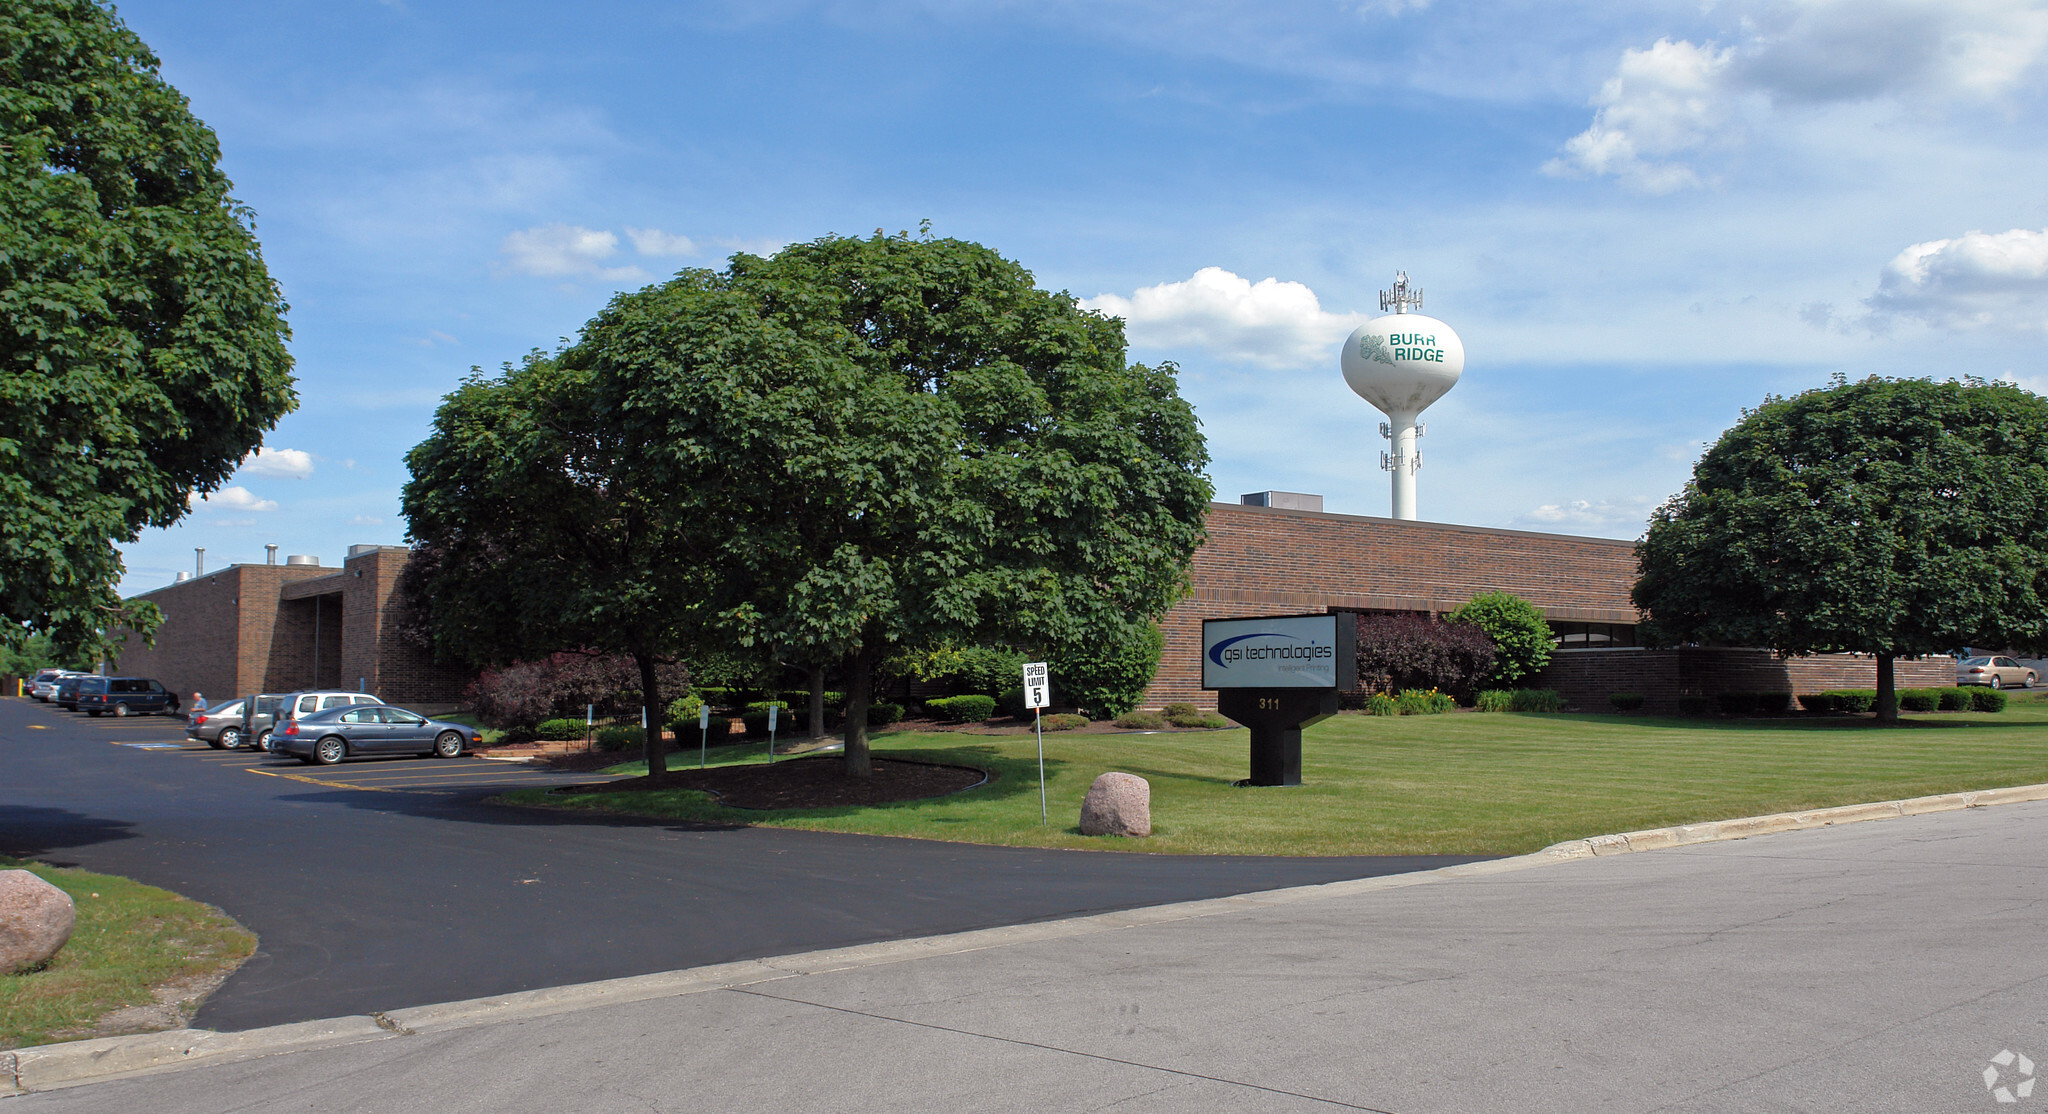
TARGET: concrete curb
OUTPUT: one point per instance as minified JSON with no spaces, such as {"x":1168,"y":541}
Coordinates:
{"x":53,"y":1066}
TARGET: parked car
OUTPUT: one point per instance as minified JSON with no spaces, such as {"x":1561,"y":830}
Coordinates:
{"x":263,"y":713}
{"x":219,"y":726}
{"x":325,"y":737}
{"x":66,"y":696}
{"x":125,"y":696}
{"x":1998,"y":672}
{"x":44,"y":685}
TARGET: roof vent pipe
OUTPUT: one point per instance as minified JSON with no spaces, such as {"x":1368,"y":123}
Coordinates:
{"x":270,"y":554}
{"x":199,"y":563}
{"x":183,"y":576}
{"x":302,"y":559}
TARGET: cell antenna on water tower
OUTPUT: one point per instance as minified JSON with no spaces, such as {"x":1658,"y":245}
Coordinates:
{"x":1401,"y":363}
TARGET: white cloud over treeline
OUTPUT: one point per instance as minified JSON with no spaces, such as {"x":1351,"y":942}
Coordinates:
{"x":573,"y":251}
{"x":1268,"y":322}
{"x":295,"y":464}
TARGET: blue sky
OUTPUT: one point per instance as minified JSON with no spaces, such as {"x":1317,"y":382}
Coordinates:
{"x":1640,"y":217}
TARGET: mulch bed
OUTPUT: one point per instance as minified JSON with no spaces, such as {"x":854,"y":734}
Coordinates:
{"x":809,"y":783}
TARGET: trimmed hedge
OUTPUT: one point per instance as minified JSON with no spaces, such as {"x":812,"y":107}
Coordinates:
{"x":1172,"y":710}
{"x":1189,"y":718}
{"x":1954,"y":699}
{"x":1140,"y":721}
{"x":1692,"y":704}
{"x":1986,"y":700}
{"x":1774,"y":703}
{"x":1625,"y":701}
{"x":1735,"y":703}
{"x":882,"y":715}
{"x":972,"y":708}
{"x":1065,"y":721}
{"x":559,"y":730}
{"x":1918,"y":700}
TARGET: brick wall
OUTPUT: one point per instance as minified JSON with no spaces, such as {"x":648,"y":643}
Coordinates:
{"x":1587,"y":677}
{"x":1268,"y":561}
{"x":216,"y":636}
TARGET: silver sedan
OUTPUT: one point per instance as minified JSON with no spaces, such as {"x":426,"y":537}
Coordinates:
{"x":1998,"y":672}
{"x":327,"y":736}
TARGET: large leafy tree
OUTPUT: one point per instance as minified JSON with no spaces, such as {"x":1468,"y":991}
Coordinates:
{"x":1890,"y":517}
{"x":142,"y":342}
{"x":874,"y":444}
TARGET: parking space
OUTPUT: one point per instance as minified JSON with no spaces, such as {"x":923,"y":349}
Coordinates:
{"x":165,"y":736}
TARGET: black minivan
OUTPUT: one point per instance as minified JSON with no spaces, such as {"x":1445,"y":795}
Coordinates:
{"x":124,"y":696}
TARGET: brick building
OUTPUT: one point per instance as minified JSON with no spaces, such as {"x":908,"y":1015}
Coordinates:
{"x":1279,"y":554}
{"x":299,"y":625}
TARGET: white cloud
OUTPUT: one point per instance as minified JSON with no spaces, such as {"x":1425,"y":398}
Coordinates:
{"x":1630,"y":513}
{"x":1661,"y":102}
{"x":1976,"y":280}
{"x":566,"y":249}
{"x":1272,"y":323}
{"x":653,"y":241}
{"x":294,"y":464}
{"x":236,"y":499}
{"x":1679,"y":98}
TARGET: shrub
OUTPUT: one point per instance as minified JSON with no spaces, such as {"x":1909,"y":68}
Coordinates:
{"x":1953,"y":699}
{"x":1065,"y":721}
{"x":1735,"y":703}
{"x":619,"y":738}
{"x":1380,"y":704}
{"x":972,"y":708}
{"x":1141,"y":721}
{"x":1417,"y":702}
{"x":1107,"y":678}
{"x":1190,"y":718}
{"x":1495,"y":700}
{"x":1987,"y":700}
{"x":1172,"y":710}
{"x":1774,"y":703}
{"x":1918,"y":700}
{"x":1536,"y":700}
{"x":882,"y":715}
{"x":1415,"y":652}
{"x":1821,"y":702}
{"x":560,"y":685}
{"x":1854,"y":700}
{"x":682,"y":713}
{"x":1692,"y":704}
{"x":1625,"y":701}
{"x":1212,"y":721}
{"x":1520,"y":637}
{"x":559,"y":730}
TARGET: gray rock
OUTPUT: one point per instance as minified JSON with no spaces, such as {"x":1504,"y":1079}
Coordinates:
{"x":1118,"y":804}
{"x":36,"y":919}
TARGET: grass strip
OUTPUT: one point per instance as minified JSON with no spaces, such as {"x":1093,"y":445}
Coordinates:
{"x":130,"y":941}
{"x":1467,"y":783}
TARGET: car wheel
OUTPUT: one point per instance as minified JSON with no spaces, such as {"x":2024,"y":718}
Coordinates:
{"x":329,"y":750}
{"x":263,"y":741}
{"x":448,"y":744}
{"x":2027,"y":681}
{"x":228,"y":739}
{"x":1997,"y":682}
{"x":121,"y":709}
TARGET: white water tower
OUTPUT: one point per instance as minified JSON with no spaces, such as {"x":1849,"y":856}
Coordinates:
{"x":1401,"y":363}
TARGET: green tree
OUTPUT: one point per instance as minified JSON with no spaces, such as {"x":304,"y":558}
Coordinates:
{"x":1521,"y":638}
{"x":542,"y":506}
{"x":1896,"y":518}
{"x":1106,"y":678}
{"x":867,"y":445}
{"x":142,"y":342}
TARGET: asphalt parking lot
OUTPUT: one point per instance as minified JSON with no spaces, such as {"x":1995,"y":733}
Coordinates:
{"x":384,"y":883}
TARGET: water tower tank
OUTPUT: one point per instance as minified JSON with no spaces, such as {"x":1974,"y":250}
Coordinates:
{"x":1401,"y":363}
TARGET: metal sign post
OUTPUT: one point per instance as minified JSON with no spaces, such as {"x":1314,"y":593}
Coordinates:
{"x":589,"y":725}
{"x":1037,"y":697}
{"x":703,"y":731}
{"x":772,"y":708}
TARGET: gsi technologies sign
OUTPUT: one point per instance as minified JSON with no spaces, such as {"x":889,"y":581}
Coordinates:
{"x":1294,"y":652}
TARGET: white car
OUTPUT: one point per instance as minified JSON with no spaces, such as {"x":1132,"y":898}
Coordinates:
{"x":1998,"y":672}
{"x":44,"y":686}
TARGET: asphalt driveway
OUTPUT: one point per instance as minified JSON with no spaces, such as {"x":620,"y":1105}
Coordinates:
{"x":379,"y":885}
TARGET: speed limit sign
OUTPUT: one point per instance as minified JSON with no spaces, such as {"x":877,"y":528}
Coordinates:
{"x":1037,"y":693}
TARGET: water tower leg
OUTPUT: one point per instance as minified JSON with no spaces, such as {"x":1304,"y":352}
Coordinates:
{"x":1404,"y":464}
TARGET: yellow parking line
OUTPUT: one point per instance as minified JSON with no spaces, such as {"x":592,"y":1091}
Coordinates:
{"x":318,"y":782}
{"x":443,"y":774}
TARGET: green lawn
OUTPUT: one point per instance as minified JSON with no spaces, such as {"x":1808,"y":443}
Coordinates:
{"x":130,"y":939}
{"x":1468,"y":783}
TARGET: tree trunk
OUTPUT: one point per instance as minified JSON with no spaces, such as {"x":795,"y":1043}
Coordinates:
{"x":650,"y":697}
{"x":1887,"y":691}
{"x":860,"y":681}
{"x":815,"y":717}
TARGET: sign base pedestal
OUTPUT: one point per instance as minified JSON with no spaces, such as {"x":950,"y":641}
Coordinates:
{"x":1275,"y":718}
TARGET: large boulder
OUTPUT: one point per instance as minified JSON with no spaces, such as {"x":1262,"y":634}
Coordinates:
{"x":36,"y":919}
{"x":1118,"y":804}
